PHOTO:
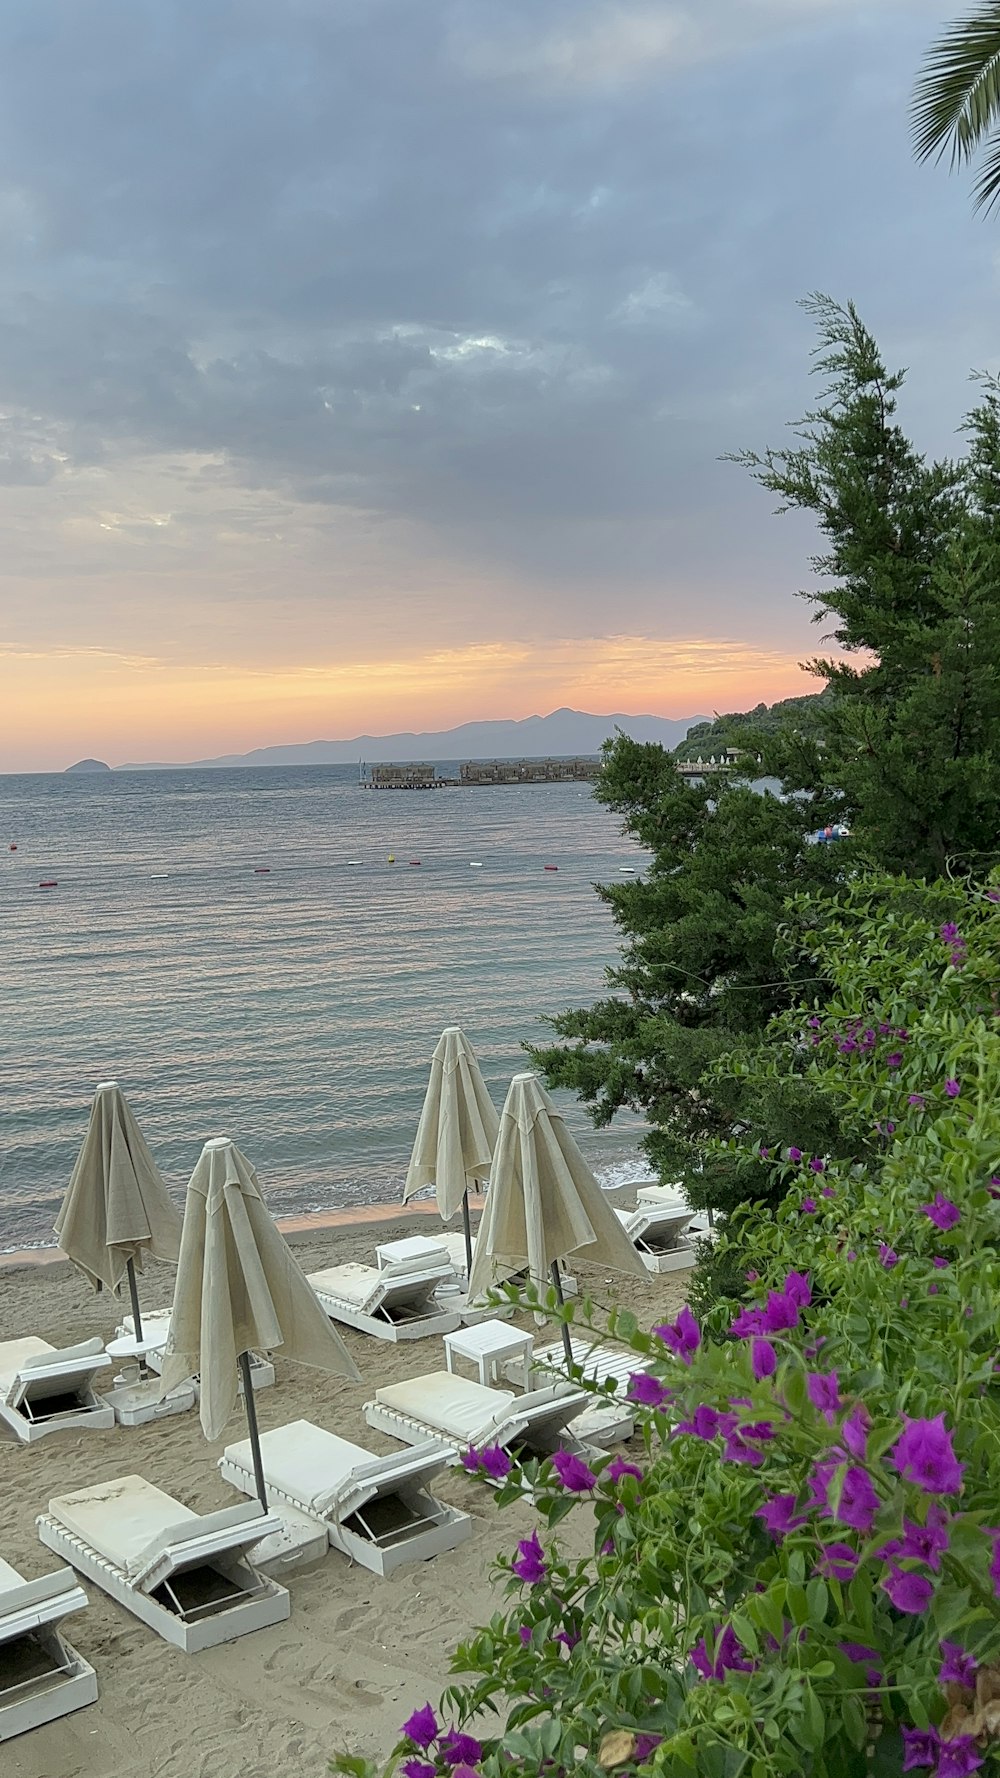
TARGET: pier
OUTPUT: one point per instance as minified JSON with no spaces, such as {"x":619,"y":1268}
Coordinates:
{"x":478,"y":773}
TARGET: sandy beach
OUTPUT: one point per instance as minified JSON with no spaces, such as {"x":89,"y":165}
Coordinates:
{"x":357,"y":1654}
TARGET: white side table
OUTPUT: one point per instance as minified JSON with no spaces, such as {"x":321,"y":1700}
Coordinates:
{"x":487,"y":1345}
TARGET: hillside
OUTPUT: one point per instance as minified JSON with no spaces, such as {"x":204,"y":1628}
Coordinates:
{"x":704,"y":739}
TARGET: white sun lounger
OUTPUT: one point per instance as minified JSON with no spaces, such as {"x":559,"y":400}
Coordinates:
{"x":700,"y":1227}
{"x":155,"y":1329}
{"x":441,"y":1405}
{"x":47,"y":1389}
{"x":393,"y":1302}
{"x":184,"y":1574}
{"x":41,"y":1676}
{"x":657,"y":1232}
{"x":608,"y":1419}
{"x":377,"y":1510}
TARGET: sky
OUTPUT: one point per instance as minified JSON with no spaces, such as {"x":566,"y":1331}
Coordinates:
{"x":367,"y":366}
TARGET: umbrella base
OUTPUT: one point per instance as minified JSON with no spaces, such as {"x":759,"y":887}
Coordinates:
{"x":135,"y":1404}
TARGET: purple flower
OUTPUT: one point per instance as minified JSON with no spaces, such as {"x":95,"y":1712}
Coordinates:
{"x":817,"y":1165}
{"x":858,"y":1501}
{"x":529,"y":1563}
{"x":647,"y":1390}
{"x":958,"y":1757}
{"x":683,"y":1336}
{"x":418,"y":1768}
{"x":736,"y":1450}
{"x":798,"y":1291}
{"x":706,"y":1422}
{"x":752,"y":1277}
{"x":455,"y":1748}
{"x":942,"y":1212}
{"x":728,"y":1653}
{"x":644,"y":1746}
{"x":618,"y":1468}
{"x":524,"y":1632}
{"x":949,"y":931}
{"x":818,"y":1482}
{"x":939,"y":1262}
{"x":920,"y":1748}
{"x":895,"y":1060}
{"x":916,"y":1099}
{"x":763,"y":1358}
{"x":748,"y":1322}
{"x":780,"y":1313}
{"x":923,"y":1454}
{"x":464,"y":1771}
{"x":422,"y":1727}
{"x":779,"y":1515}
{"x":869,"y":1658}
{"x":821,"y":1387}
{"x":924,"y":1543}
{"x":814,"y":1023}
{"x":993,"y":894}
{"x":496,"y":1462}
{"x":808,"y":1207}
{"x":568,"y":1639}
{"x":957,"y":1667}
{"x":837,"y":1561}
{"x":795,"y":1154}
{"x":470,"y":1460}
{"x":855,"y":1429}
{"x":765,"y":1153}
{"x":909,"y":1592}
{"x":573,"y":1473}
{"x":952,"y":1088}
{"x":829,"y":1191}
{"x":888,"y":1256}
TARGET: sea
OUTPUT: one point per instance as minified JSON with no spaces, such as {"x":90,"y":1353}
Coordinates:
{"x":271,"y":954}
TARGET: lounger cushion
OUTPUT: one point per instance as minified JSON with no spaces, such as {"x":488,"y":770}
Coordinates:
{"x":453,"y":1406}
{"x":129,"y":1520}
{"x":46,"y":1600}
{"x":305,"y":1462}
{"x":365,"y":1288}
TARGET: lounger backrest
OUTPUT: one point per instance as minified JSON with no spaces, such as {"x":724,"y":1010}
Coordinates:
{"x":33,"y":1603}
{"x":57,"y":1373}
{"x":195,"y":1540}
{"x":666,"y":1224}
{"x":459,"y":1410}
{"x":384,"y":1475}
{"x":65,"y":1355}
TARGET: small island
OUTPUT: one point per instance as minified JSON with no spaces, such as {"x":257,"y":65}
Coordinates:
{"x":89,"y":765}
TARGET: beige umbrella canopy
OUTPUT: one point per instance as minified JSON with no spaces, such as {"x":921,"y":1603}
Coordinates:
{"x":457,"y":1131}
{"x":239,"y":1290}
{"x":544,"y":1202}
{"x":116,"y":1211}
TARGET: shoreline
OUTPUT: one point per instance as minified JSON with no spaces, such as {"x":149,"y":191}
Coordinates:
{"x":296,"y":1229}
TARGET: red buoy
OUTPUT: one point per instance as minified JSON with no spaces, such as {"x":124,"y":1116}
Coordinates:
{"x":48,"y":883}
{"x":13,"y":847}
{"x":550,"y":867}
{"x":414,"y":861}
{"x":262,"y":870}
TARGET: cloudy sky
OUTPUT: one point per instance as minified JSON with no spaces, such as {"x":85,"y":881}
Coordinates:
{"x":366,"y":364}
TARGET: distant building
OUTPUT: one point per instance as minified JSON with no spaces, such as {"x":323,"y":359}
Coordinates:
{"x":406,"y":777}
{"x":529,"y":771}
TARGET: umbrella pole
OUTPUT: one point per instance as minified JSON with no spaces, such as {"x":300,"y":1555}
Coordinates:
{"x":252,"y":1429}
{"x":566,"y":1336}
{"x":467,"y":1232}
{"x":134,"y":1294}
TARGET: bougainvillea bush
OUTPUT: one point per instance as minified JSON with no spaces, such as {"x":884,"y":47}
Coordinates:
{"x":796,"y":1564}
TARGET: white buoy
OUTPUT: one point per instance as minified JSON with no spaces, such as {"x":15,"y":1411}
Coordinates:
{"x":475,"y":864}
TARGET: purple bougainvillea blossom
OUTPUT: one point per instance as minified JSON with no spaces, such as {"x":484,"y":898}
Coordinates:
{"x":728,"y":1654}
{"x":957,"y":1667}
{"x":496,"y":1462}
{"x":952,"y":1087}
{"x":618,"y":1468}
{"x":798,"y":1289}
{"x":529,"y":1563}
{"x":924,"y":1454}
{"x":838,"y":1561}
{"x":808,"y":1207}
{"x":573,"y":1473}
{"x":418,"y":1768}
{"x":958,"y":1757}
{"x":829,"y":1191}
{"x":858,"y":1501}
{"x":855,"y":1430}
{"x":869,"y":1658}
{"x":895,"y":1060}
{"x":456,"y":1748}
{"x":920,"y":1748}
{"x":524,"y":1632}
{"x":706,"y":1422}
{"x":908,"y":1592}
{"x":763,"y":1359}
{"x":888,"y":1256}
{"x":795,"y":1154}
{"x":779,"y":1515}
{"x":939,"y":1262}
{"x":942,"y":1212}
{"x":422,"y":1727}
{"x":648,"y":1391}
{"x":916,"y":1099}
{"x":737,"y":1450}
{"x":683,"y":1336}
{"x":824,"y":1393}
{"x":817,"y":1165}
{"x":949,"y":931}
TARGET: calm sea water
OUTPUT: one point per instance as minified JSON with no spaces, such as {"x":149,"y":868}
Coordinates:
{"x":296,"y":1010}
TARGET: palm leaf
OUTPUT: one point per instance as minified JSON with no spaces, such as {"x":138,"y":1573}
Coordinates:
{"x":956,"y":99}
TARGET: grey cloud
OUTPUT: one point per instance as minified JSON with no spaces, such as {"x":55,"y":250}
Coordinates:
{"x":276,"y":235}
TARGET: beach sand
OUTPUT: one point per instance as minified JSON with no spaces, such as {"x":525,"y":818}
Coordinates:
{"x":357,"y":1655}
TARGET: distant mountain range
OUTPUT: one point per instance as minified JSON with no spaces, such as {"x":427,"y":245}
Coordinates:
{"x":562,"y":732}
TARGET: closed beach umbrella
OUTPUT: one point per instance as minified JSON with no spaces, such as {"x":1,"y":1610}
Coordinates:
{"x":116,"y":1211}
{"x":238,"y":1291}
{"x":457,"y":1131}
{"x":544,"y":1202}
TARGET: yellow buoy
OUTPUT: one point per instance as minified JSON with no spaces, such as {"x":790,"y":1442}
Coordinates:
{"x":392,"y":857}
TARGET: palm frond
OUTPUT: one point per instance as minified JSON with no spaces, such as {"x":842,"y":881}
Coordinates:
{"x":956,"y":99}
{"x":987,"y":186}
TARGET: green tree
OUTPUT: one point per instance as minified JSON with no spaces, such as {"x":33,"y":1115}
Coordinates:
{"x":956,"y":101}
{"x":908,"y":574}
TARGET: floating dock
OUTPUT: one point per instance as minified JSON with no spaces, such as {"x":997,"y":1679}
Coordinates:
{"x":479,"y":772}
